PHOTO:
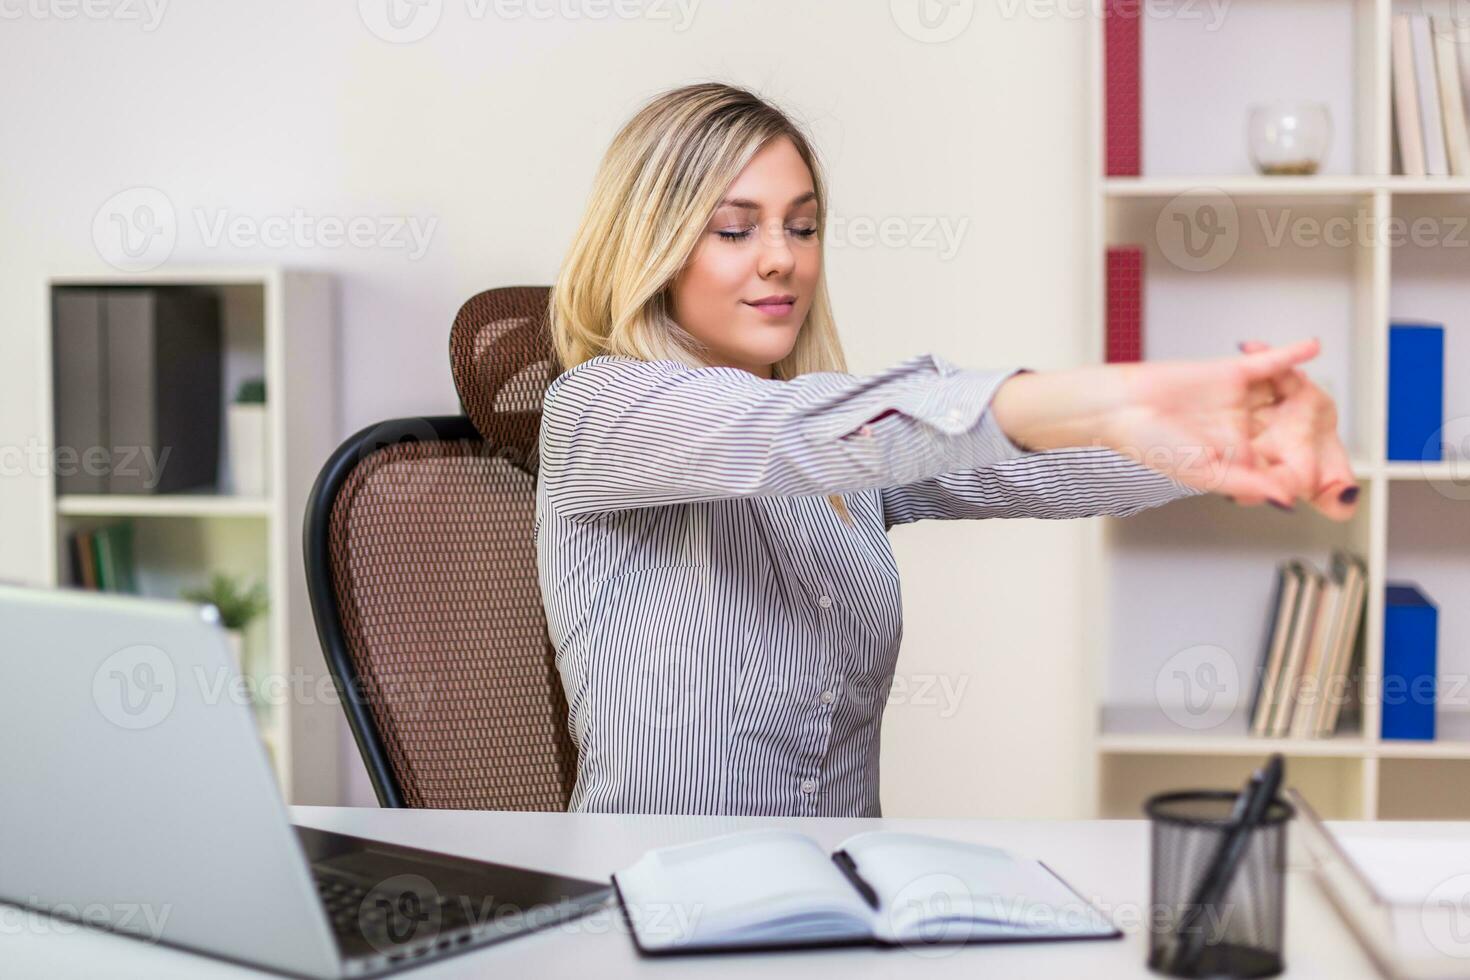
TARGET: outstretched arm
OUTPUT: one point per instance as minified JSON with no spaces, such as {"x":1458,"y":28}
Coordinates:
{"x":1055,"y":484}
{"x":621,"y":433}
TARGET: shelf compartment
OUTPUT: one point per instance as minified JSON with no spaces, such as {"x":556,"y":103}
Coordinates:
{"x":1173,"y":615}
{"x":1334,"y":786}
{"x":1424,"y":789}
{"x":1429,"y":267}
{"x":170,"y":555}
{"x":1201,"y":73}
{"x":1429,"y":545}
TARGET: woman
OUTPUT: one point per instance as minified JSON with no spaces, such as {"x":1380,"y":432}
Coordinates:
{"x":715,"y":489}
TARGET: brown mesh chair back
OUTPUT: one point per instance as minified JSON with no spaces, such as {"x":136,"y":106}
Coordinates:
{"x":422,"y":572}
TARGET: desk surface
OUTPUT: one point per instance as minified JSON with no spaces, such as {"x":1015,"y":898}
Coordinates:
{"x":1105,"y":860}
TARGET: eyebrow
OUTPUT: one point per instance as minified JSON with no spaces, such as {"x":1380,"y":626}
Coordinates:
{"x":740,"y":202}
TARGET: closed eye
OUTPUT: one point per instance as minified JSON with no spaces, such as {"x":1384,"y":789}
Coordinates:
{"x":735,"y":236}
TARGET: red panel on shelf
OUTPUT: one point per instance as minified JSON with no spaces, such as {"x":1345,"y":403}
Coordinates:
{"x":1125,"y":304}
{"x":1123,"y":71}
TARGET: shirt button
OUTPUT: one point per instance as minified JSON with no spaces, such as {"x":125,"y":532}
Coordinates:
{"x":954,"y":418}
{"x":828,"y":697}
{"x":825,"y":602}
{"x":808,"y":785}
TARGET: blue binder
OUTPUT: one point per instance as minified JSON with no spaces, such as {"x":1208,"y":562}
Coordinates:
{"x":1415,"y":390}
{"x":1410,"y":654}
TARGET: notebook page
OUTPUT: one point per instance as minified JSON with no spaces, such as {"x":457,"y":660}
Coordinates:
{"x":760,"y":886}
{"x":934,"y":890}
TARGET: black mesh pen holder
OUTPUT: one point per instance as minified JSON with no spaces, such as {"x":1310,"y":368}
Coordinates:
{"x":1242,"y":935}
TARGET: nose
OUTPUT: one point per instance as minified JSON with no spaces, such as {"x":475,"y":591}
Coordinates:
{"x":776,"y":258}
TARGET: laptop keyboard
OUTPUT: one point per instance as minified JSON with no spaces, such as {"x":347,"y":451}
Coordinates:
{"x":399,"y":919}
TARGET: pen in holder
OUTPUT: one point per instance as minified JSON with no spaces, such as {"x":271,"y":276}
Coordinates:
{"x":1218,"y":863}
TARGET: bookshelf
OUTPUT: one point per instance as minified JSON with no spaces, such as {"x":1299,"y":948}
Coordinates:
{"x":1185,"y":589}
{"x":277,"y":324}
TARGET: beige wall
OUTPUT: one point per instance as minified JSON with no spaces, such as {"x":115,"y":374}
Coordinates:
{"x":491,"y":127}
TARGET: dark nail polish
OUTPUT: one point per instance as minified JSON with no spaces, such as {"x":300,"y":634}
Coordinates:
{"x":1349,"y":495}
{"x":1280,"y":506}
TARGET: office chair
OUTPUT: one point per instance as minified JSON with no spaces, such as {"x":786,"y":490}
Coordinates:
{"x":421,"y":568}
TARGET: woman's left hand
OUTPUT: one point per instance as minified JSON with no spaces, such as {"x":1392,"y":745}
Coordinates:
{"x":1299,"y":435}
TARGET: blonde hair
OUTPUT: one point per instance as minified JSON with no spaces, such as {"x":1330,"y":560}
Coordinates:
{"x":657,"y":185}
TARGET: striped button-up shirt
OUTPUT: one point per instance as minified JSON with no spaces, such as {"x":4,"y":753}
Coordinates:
{"x":726,"y":641}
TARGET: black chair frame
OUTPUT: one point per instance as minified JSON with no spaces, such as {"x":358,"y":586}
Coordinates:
{"x":321,"y":587}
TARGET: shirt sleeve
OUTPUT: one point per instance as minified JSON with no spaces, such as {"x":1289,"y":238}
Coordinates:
{"x":1052,"y":483}
{"x":619,"y":433}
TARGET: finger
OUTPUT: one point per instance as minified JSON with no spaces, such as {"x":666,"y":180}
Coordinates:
{"x":1249,"y":486}
{"x":1238,"y":472}
{"x":1288,"y":383}
{"x":1247,"y":499}
{"x":1336,"y":482}
{"x":1292,"y":461}
{"x":1288,"y":473}
{"x":1275,"y":360}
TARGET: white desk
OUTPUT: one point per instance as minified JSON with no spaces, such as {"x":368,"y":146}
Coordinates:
{"x":1105,"y":860}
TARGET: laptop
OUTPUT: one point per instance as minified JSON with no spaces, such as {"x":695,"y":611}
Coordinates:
{"x":138,"y":797}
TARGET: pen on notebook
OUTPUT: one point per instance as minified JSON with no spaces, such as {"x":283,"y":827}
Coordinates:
{"x":849,"y":868}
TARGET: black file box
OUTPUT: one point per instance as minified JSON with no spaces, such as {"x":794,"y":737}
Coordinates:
{"x":136,"y":383}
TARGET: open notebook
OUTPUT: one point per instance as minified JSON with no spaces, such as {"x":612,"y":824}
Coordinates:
{"x":779,"y":889}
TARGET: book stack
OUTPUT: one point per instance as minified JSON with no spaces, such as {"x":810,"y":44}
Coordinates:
{"x":1431,"y":88}
{"x":1310,"y":657}
{"x":102,"y":558}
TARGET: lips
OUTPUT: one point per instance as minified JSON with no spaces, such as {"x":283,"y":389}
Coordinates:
{"x":779,"y":305}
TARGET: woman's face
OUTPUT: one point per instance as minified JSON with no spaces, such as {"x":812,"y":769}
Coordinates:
{"x":746,"y":289}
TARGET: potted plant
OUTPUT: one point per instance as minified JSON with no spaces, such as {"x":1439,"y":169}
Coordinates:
{"x":247,"y":438}
{"x":238,"y":606}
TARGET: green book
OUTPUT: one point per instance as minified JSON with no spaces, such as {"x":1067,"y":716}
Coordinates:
{"x":102,"y":555}
{"x":123,"y":557}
